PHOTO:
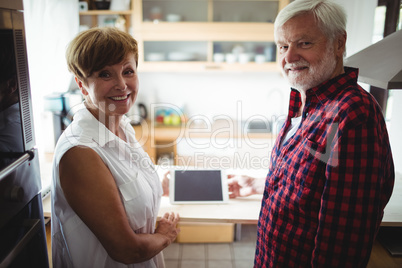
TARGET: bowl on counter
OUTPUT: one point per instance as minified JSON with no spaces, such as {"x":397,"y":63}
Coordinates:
{"x":173,"y":17}
{"x":260,"y":58}
{"x":230,"y":58}
{"x":244,"y":57}
{"x":219,"y":57}
{"x":155,"y":56}
{"x":181,"y":56}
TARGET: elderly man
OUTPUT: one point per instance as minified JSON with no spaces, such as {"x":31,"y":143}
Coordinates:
{"x":331,"y":171}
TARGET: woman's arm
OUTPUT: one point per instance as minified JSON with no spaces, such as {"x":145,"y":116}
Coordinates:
{"x":92,"y":193}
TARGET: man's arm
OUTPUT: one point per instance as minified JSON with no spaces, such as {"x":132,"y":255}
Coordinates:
{"x":353,"y":198}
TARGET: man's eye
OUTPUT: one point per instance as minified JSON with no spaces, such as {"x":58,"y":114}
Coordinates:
{"x":305,"y":44}
{"x":283,"y":48}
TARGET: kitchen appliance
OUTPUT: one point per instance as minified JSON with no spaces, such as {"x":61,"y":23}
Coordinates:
{"x":138,"y":113}
{"x":380,"y":64}
{"x":22,"y":229}
{"x":83,"y":6}
{"x":102,"y":4}
{"x":62,"y":106}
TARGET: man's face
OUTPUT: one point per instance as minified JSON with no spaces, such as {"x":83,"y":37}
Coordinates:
{"x":306,"y":56}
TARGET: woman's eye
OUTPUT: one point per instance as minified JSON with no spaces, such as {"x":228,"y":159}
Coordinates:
{"x":129,"y":72}
{"x":104,"y":75}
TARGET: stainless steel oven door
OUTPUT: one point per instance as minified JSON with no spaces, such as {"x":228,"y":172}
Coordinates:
{"x":23,"y":239}
{"x":22,"y":230}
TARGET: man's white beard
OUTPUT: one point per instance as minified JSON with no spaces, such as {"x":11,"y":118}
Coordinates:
{"x":318,"y":73}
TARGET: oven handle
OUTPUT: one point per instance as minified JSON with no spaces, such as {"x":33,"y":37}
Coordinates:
{"x":35,"y":223}
{"x":28,"y":155}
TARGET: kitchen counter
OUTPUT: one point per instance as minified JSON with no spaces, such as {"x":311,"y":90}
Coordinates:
{"x":393,"y":210}
{"x":239,"y":210}
{"x":246,"y":210}
{"x":216,"y":223}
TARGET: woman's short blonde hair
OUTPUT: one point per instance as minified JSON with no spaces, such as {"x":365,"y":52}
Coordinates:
{"x":93,"y":49}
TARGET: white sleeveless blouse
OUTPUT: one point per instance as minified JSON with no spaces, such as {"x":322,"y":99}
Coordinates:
{"x":73,"y":244}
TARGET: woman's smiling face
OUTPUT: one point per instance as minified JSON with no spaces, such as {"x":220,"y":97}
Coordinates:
{"x":112,"y":90}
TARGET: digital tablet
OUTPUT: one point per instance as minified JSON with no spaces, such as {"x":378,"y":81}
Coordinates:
{"x":196,"y":186}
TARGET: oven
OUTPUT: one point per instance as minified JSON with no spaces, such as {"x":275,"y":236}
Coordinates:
{"x":22,"y":229}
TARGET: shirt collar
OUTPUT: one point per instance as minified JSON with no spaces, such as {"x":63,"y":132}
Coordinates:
{"x":95,"y":129}
{"x":323,"y":91}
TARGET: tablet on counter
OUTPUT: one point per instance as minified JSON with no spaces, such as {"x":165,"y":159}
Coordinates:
{"x":198,"y":186}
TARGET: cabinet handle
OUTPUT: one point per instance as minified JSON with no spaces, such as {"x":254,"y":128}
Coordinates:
{"x":35,"y":223}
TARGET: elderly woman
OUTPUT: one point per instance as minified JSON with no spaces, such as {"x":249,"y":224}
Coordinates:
{"x":106,"y":193}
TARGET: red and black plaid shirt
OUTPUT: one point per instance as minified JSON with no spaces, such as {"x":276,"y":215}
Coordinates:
{"x":328,"y":185}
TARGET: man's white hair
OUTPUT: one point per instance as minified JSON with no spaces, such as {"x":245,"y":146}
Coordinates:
{"x":331,"y":17}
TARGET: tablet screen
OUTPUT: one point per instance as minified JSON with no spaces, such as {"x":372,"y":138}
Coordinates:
{"x":198,"y":186}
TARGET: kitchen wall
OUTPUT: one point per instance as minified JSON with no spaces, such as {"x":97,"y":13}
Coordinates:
{"x":360,"y":23}
{"x":50,"y":25}
{"x":395,"y":129}
{"x":237,"y":95}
